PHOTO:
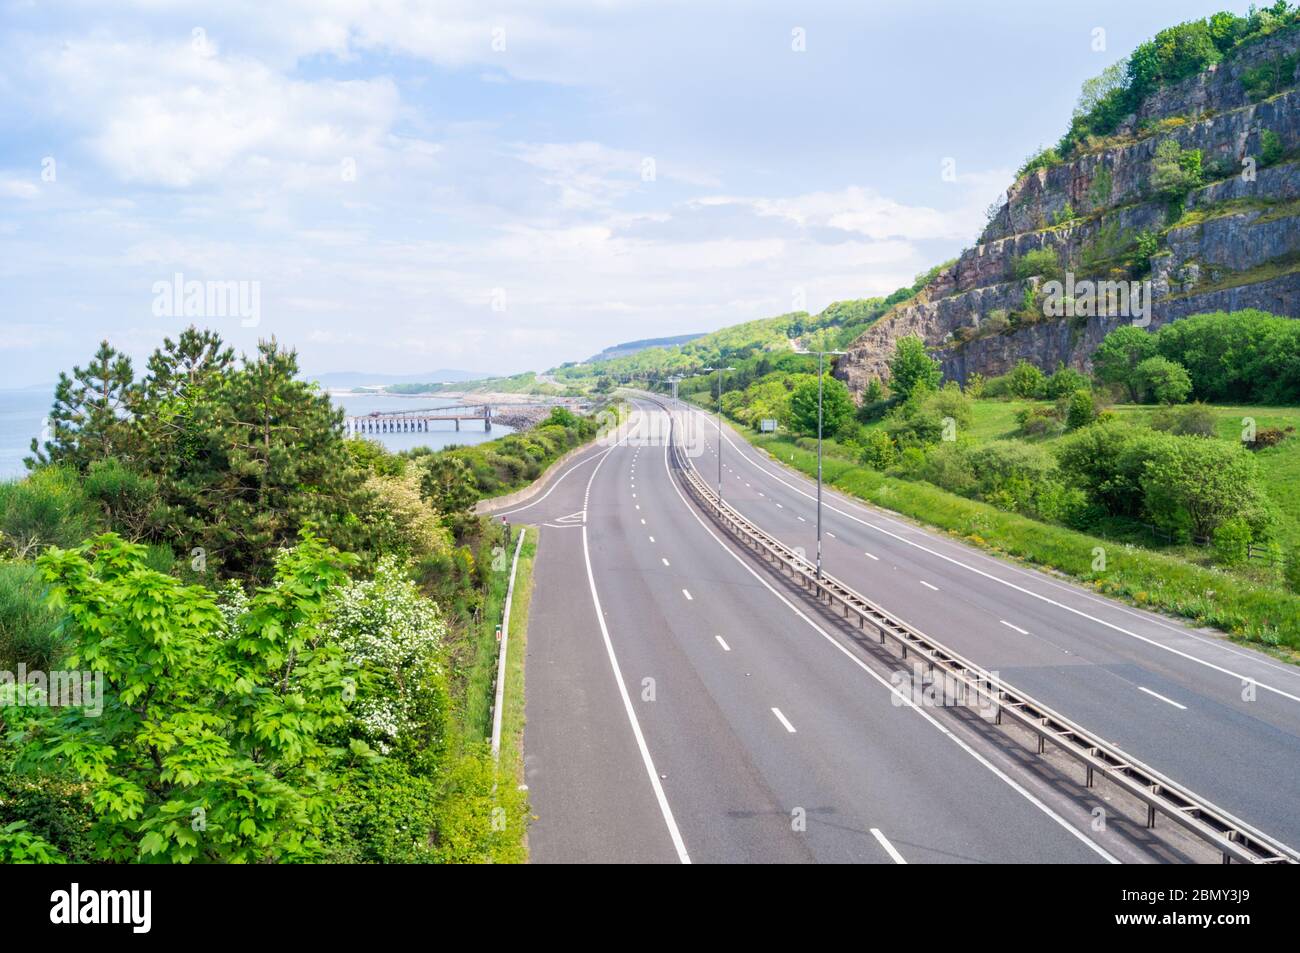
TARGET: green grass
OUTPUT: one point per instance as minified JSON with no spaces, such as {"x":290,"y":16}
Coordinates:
{"x":1246,"y":610}
{"x":480,"y":665}
{"x":512,"y":715}
{"x":1279,"y":465}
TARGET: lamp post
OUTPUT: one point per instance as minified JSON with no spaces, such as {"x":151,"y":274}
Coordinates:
{"x":719,"y":370}
{"x":821,"y":357}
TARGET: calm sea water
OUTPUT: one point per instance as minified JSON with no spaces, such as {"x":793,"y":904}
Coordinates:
{"x":22,"y":415}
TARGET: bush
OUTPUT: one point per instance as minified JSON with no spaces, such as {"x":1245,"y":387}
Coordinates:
{"x":1081,"y":409}
{"x":387,"y":630}
{"x":1269,"y":437}
{"x":879,"y":452}
{"x":948,"y":466}
{"x":1194,"y":420}
{"x":1163,"y":381}
{"x":1011,"y":470}
{"x":48,"y":508}
{"x":1065,"y":382}
{"x":1026,"y":381}
{"x":1194,"y":486}
{"x":1039,"y":421}
{"x":1291,"y":569}
{"x":130,"y":502}
{"x":1271,"y":149}
{"x":1044,"y":158}
{"x":1232,"y":542}
{"x":1039,"y":263}
{"x":1106,"y":460}
{"x":29,"y":631}
{"x":1175,"y":171}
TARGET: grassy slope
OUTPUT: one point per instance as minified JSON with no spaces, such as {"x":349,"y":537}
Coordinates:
{"x":1249,"y":612}
{"x":1279,"y":465}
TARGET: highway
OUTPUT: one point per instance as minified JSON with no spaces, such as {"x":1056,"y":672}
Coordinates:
{"x":683,"y":706}
{"x":1218,"y":717}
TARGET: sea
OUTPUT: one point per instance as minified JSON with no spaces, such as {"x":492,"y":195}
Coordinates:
{"x":23,"y":412}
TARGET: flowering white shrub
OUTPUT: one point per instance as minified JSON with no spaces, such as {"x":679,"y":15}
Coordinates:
{"x":386,"y":627}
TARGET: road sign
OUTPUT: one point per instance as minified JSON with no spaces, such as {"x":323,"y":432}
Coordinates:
{"x":767,"y":425}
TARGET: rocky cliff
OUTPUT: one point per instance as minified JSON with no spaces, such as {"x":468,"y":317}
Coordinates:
{"x":1230,"y":242}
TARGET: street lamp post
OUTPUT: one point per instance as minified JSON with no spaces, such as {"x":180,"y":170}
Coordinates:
{"x":821,"y":357}
{"x":719,"y":370}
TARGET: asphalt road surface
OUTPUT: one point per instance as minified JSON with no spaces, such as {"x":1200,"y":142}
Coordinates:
{"x":683,"y":706}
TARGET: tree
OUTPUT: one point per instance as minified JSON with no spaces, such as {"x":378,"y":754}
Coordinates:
{"x":912,"y":368}
{"x":213,"y":742}
{"x":90,"y":419}
{"x":1097,"y":90}
{"x":1194,"y":485}
{"x":1163,"y":381}
{"x":448,"y":483}
{"x":1117,"y":357}
{"x":1175,"y":171}
{"x":261,"y":455}
{"x":837,"y":405}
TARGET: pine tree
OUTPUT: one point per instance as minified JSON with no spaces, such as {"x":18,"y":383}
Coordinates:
{"x":91,"y":416}
{"x":272,"y":460}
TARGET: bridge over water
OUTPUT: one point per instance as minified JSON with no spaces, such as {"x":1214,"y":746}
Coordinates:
{"x":416,"y":421}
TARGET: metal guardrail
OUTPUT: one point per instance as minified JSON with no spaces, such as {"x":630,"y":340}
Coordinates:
{"x":1233,"y":838}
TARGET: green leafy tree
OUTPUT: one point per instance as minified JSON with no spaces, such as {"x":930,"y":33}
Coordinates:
{"x":1163,"y":381}
{"x":1194,"y":486}
{"x":1174,"y":170}
{"x":90,"y":419}
{"x":1026,"y":381}
{"x":213,"y":743}
{"x":837,"y":406}
{"x":913,"y":368}
{"x":1116,"y":359}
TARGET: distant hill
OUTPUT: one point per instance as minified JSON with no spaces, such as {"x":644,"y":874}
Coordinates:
{"x":631,"y":347}
{"x":835,"y":326}
{"x":337,"y":379}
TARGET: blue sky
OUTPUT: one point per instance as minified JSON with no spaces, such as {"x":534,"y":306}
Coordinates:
{"x":533,"y":181}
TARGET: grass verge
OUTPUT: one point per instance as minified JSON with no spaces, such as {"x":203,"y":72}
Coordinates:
{"x":512,"y":715}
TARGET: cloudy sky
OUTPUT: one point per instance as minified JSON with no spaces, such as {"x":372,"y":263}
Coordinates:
{"x":501,"y":186}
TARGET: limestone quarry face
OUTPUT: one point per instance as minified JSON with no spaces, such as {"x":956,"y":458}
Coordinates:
{"x":1233,"y":243}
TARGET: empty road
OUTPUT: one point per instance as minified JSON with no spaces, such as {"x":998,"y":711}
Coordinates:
{"x":683,"y":706}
